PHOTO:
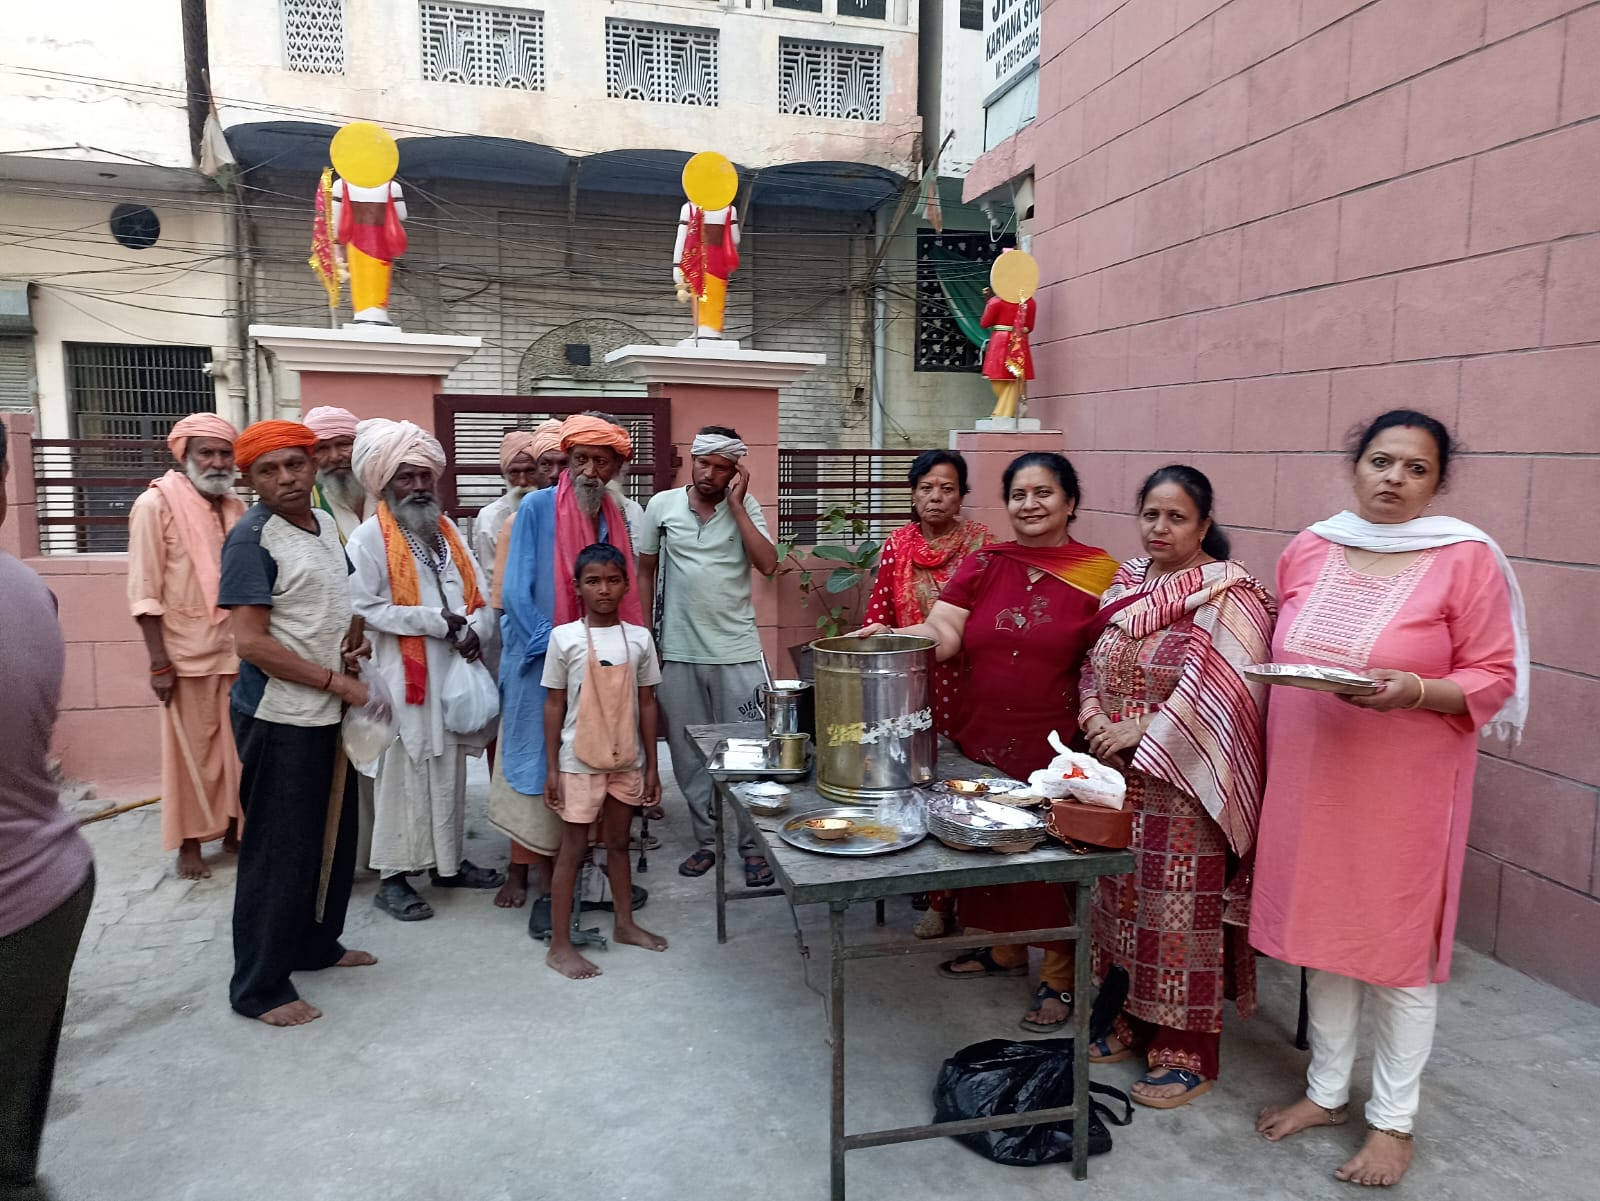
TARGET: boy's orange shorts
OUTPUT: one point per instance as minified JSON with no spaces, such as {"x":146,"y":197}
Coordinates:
{"x":583,"y":794}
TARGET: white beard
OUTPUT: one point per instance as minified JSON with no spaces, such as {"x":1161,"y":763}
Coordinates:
{"x":212,"y":484}
{"x":420,"y":517}
{"x":515,"y":495}
{"x":341,"y":486}
{"x":590,"y":492}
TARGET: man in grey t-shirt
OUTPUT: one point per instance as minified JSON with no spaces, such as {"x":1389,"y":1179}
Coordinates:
{"x":706,"y":539}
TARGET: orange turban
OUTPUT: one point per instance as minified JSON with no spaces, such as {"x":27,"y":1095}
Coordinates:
{"x":198,"y":425}
{"x":546,"y":438}
{"x":581,"y":430}
{"x":264,"y":437}
{"x":517,"y":442}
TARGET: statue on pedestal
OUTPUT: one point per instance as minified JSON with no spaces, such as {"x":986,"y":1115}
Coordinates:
{"x":1010,"y":314}
{"x":706,"y":253}
{"x":369,"y":211}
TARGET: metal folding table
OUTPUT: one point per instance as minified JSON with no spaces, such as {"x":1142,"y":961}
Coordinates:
{"x":838,"y":881}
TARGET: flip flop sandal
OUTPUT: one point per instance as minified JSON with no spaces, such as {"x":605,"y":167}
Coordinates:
{"x":640,"y":897}
{"x":468,"y":877}
{"x":757,"y":873}
{"x":540,"y":920}
{"x":1100,"y":1052}
{"x":402,"y":903}
{"x":1195,"y":1085}
{"x":983,"y":956}
{"x":697,"y":864}
{"x":650,"y":843}
{"x":1040,"y":995}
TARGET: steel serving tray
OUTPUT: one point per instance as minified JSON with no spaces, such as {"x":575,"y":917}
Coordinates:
{"x":795,"y":834}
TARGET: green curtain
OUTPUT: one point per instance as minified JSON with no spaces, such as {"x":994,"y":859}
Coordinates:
{"x":962,"y":282}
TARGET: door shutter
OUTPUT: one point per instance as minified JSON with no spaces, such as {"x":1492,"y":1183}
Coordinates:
{"x":16,"y":375}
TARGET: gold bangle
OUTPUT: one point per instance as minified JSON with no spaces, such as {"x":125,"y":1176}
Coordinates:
{"x":1422,"y":694}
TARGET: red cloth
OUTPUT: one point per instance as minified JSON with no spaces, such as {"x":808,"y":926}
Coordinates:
{"x":911,"y":573}
{"x":574,"y":531}
{"x":1018,"y":317}
{"x":386,"y":240}
{"x":702,"y":257}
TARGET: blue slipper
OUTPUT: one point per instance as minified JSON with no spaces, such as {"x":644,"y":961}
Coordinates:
{"x":1194,"y":1084}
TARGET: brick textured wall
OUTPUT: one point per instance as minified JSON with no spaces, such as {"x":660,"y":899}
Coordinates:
{"x":505,"y":265}
{"x":1263,"y":221}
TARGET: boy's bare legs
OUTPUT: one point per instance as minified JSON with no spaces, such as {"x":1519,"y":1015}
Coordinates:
{"x":563,"y":956}
{"x":616,"y":821}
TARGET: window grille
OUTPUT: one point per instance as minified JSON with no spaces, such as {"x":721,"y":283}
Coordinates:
{"x":668,"y":64}
{"x":313,"y":35}
{"x":867,"y":10}
{"x":830,"y":79}
{"x":477,"y":44}
{"x":941,"y":344}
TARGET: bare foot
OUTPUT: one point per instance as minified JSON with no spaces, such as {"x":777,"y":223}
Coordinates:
{"x":1382,"y":1160}
{"x":230,"y":840}
{"x":1277,"y":1122}
{"x":513,"y":893}
{"x":638,"y":936}
{"x":572,"y":965}
{"x":356,"y":959}
{"x":190,"y":865}
{"x":295,"y":1013}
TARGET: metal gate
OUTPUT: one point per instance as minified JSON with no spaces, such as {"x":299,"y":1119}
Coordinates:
{"x":470,"y":428}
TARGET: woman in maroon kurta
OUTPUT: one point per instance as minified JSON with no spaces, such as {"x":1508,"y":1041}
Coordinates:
{"x":1023,"y":612}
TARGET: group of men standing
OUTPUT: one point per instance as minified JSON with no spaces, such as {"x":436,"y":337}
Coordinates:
{"x":265,"y":626}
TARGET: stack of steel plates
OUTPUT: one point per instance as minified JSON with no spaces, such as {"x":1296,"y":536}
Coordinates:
{"x":972,"y":823}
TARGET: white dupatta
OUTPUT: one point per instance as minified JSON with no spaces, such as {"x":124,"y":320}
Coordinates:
{"x":1430,"y":533}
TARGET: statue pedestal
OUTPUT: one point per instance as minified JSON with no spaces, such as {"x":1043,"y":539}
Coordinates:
{"x":720,"y":384}
{"x":372,"y":370}
{"x":1008,"y":425}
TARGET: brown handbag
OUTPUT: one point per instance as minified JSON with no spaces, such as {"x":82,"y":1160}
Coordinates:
{"x":1093,"y":825}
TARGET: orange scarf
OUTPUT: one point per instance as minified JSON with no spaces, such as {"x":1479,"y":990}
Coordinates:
{"x":406,"y":590}
{"x":1086,"y":568}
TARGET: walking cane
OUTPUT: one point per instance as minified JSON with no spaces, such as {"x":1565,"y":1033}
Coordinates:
{"x":194,"y":770}
{"x":330,"y":827}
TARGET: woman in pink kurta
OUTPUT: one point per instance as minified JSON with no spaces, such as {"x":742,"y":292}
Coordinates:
{"x":1364,"y":820}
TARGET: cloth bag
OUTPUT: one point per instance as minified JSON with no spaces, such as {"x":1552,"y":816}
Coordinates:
{"x":607,"y":737}
{"x":1000,"y":1076}
{"x":468,"y":697}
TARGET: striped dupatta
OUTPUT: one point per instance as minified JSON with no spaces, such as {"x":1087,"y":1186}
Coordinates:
{"x":1208,"y":737}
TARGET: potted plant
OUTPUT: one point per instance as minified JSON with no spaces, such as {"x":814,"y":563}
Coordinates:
{"x":849,"y":568}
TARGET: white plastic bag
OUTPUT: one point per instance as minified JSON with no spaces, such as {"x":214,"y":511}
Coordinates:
{"x":469,"y":697}
{"x":370,"y":730}
{"x":1082,"y":777}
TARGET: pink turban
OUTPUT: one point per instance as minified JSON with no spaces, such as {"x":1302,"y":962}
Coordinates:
{"x":199,"y":425}
{"x":546,"y":439}
{"x":382,"y":446}
{"x":328,"y":421}
{"x":517,"y":442}
{"x":582,"y":430}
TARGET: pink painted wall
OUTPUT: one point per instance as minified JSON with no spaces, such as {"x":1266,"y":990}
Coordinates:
{"x":1263,"y":221}
{"x":370,"y":394}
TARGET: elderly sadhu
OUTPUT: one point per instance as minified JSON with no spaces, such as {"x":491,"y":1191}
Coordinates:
{"x":338,"y":492}
{"x":284,"y":576}
{"x":425,"y":602}
{"x":538,"y":592}
{"x":175,"y":533}
{"x":707,"y":538}
{"x":549,"y":461}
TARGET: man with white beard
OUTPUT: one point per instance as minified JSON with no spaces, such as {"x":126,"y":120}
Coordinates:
{"x":175,"y":535}
{"x":424,"y":601}
{"x":338,"y":493}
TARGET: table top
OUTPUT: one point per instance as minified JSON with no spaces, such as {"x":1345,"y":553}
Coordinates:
{"x":810,"y":878}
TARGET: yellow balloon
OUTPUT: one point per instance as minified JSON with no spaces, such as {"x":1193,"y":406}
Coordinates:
{"x":364,"y":155}
{"x":710,"y":180}
{"x":1014,"y":276}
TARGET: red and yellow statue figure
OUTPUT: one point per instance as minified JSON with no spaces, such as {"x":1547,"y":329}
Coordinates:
{"x":707,"y":249}
{"x":369,"y":210}
{"x":1010,"y":314}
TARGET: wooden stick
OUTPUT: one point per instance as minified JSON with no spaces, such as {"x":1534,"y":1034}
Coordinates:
{"x":116,"y":809}
{"x":194,"y":770}
{"x":330,"y":827}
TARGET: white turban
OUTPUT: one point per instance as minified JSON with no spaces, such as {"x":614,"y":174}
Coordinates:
{"x":718,"y":444}
{"x":382,"y":446}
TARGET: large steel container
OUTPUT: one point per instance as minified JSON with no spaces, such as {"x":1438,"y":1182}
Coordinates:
{"x":874,"y":716}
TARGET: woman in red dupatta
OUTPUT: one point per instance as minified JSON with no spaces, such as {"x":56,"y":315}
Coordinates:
{"x":1164,"y":701}
{"x":1023,"y":612}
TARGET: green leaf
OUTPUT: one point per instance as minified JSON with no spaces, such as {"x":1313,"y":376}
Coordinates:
{"x":784,"y":549}
{"x":867,"y":553}
{"x":842,"y":579}
{"x":838,"y":554}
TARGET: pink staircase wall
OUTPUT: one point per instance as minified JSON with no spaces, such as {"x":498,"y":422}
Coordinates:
{"x":1264,"y":221}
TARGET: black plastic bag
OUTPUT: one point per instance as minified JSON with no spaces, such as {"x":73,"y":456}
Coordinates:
{"x":1001,"y":1076}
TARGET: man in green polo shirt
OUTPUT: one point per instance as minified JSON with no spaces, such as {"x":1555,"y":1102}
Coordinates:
{"x":706,"y":539}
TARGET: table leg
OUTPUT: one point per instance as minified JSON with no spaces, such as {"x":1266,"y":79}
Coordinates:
{"x":836,"y":910}
{"x":880,"y":911}
{"x":1081,"y":1007}
{"x":719,"y":869}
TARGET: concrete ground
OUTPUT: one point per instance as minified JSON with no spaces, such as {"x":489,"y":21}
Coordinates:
{"x":461,"y":1067}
